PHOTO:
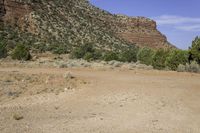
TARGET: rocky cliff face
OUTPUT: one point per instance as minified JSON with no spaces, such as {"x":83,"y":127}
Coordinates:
{"x":141,"y":31}
{"x":14,"y":11}
{"x":74,"y":22}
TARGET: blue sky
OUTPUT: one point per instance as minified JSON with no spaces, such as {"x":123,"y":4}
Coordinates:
{"x":179,"y":20}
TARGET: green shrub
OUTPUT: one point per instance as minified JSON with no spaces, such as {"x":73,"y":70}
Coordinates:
{"x":175,"y":58}
{"x":77,"y":53}
{"x":87,"y":52}
{"x":128,"y":55}
{"x":3,"y":50}
{"x":82,"y":50}
{"x":109,"y":56}
{"x":40,"y":47}
{"x":195,"y":50}
{"x":92,"y":56}
{"x":97,"y":55}
{"x":159,"y":59}
{"x":145,"y":56}
{"x":62,"y":49}
{"x":10,"y":45}
{"x":21,"y":52}
{"x":88,"y":56}
{"x":55,"y":48}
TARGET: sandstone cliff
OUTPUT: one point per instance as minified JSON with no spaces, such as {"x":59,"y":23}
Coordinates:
{"x":71,"y":23}
{"x":142,"y":31}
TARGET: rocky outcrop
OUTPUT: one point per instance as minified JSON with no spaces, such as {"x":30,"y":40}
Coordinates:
{"x":2,"y":9}
{"x":141,"y":31}
{"x":75,"y":22}
{"x":132,"y":24}
{"x":13,"y":11}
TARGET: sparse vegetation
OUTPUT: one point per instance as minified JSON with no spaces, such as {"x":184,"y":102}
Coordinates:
{"x":159,"y":59}
{"x":129,"y":55}
{"x":3,"y":50}
{"x":145,"y":56}
{"x":168,"y":59}
{"x":109,"y":56}
{"x":193,"y":67}
{"x":60,"y":49}
{"x":39,"y":48}
{"x":21,"y":52}
{"x":194,"y":51}
{"x":181,"y":68}
{"x":175,"y":58}
{"x":87,"y":52}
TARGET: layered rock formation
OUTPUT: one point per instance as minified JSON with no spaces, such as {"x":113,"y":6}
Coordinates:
{"x":141,"y":31}
{"x":75,"y":22}
{"x":14,"y":11}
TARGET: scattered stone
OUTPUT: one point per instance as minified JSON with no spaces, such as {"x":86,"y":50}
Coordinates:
{"x":8,"y":81}
{"x":68,"y":75}
{"x":57,"y":93}
{"x":18,"y":117}
{"x":56,"y":107}
{"x":48,"y":79}
{"x":34,"y":58}
{"x":13,"y":94}
{"x":143,"y":66}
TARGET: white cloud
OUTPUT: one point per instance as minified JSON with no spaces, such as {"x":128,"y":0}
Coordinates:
{"x":179,"y":22}
{"x":189,"y":28}
{"x":171,"y":19}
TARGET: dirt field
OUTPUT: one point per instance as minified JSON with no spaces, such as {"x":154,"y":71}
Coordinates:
{"x":45,"y":100}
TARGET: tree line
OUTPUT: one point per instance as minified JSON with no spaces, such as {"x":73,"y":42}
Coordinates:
{"x":170,"y":59}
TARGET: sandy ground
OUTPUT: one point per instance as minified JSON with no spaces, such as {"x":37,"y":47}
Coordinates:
{"x":98,"y":101}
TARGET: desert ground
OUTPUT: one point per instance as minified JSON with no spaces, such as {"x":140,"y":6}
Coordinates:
{"x":44,"y":99}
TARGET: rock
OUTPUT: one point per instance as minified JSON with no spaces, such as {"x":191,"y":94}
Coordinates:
{"x":141,"y":31}
{"x":115,"y":63}
{"x":68,"y":75}
{"x":18,"y":117}
{"x":143,"y":66}
{"x":34,"y":58}
{"x":97,"y":65}
{"x":103,"y":62}
{"x":12,"y":12}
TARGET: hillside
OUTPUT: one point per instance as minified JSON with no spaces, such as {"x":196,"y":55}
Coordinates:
{"x":48,"y":25}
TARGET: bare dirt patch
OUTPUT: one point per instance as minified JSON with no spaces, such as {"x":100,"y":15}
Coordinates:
{"x":99,"y":101}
